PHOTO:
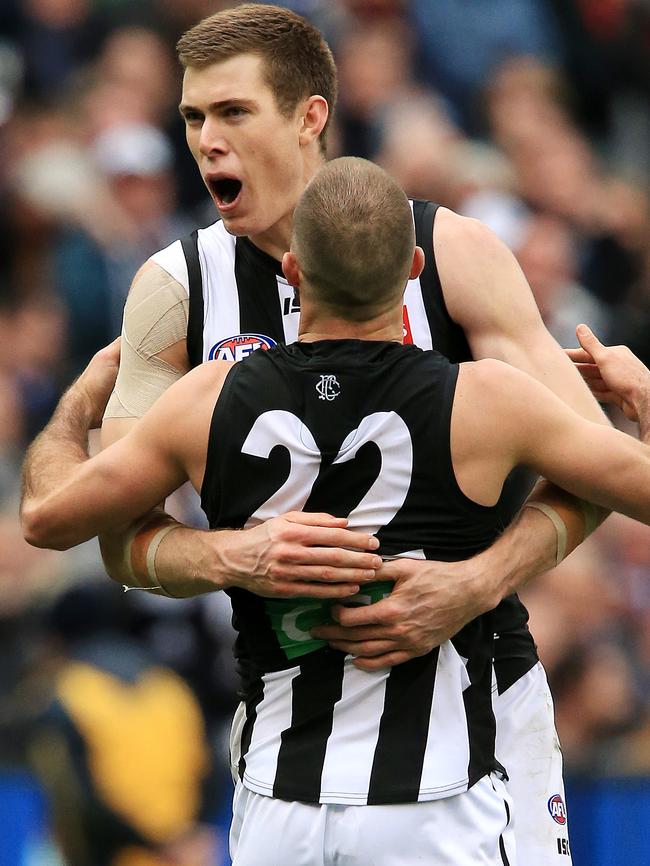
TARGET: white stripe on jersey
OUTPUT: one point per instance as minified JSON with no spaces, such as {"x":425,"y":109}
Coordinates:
{"x":355,"y":730}
{"x":220,"y":293}
{"x":420,"y":328}
{"x":290,"y":320}
{"x":172,"y":260}
{"x":273,"y":715}
{"x":447,"y":748}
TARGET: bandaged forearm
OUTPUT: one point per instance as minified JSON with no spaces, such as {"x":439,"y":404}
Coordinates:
{"x":162,"y":556}
{"x":130,"y":558}
{"x":573,"y":519}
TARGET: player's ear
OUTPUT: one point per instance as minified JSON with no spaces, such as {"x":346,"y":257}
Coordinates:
{"x":417,"y":265}
{"x":313,"y":117}
{"x":291,"y":269}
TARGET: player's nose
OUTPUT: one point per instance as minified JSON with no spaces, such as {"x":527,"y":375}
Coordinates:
{"x":212,"y":141}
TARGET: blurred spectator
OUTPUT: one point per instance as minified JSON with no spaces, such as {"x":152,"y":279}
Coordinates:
{"x":606,"y":57}
{"x":462,"y":45}
{"x":122,"y":748}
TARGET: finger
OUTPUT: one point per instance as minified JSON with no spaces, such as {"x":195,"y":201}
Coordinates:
{"x":315,"y":535}
{"x":380,"y":613}
{"x":323,"y":573}
{"x":300,"y":589}
{"x":364,"y":649}
{"x":387,"y":660}
{"x":313,"y":518}
{"x":333,"y":632}
{"x":330,"y":557}
{"x":590,"y":342}
{"x":579,"y":356}
{"x":320,"y":536}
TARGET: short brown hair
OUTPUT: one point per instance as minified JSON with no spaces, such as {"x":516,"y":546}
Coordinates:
{"x":354,"y":238}
{"x":297,"y":61}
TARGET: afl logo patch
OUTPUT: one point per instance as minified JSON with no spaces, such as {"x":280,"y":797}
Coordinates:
{"x":557,"y":809}
{"x":239,"y":347}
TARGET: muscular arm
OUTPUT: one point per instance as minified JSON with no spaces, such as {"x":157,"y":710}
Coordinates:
{"x":486,"y":294}
{"x":277,"y":559}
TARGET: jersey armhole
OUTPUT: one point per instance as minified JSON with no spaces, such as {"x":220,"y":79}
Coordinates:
{"x":424,"y":215}
{"x":218,"y":420}
{"x":190,"y":245}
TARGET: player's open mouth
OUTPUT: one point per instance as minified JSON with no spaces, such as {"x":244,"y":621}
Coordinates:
{"x":226,"y":191}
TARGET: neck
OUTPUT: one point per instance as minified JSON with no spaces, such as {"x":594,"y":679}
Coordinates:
{"x":388,"y":327}
{"x":276,"y":240}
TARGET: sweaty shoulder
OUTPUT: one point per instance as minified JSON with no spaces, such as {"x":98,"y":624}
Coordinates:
{"x":154,"y":331}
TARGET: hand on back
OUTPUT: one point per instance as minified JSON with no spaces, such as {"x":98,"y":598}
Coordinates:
{"x":299,"y":554}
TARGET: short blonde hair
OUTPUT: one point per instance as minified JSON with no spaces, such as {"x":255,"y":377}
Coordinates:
{"x":354,"y":238}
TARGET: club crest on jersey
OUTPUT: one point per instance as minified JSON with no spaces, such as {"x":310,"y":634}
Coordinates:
{"x":239,"y":347}
{"x":557,"y":809}
{"x":328,"y":388}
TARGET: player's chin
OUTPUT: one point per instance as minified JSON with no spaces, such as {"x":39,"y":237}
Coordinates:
{"x":236,"y":224}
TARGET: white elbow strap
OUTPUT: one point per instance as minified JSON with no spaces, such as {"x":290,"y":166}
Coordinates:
{"x":558,"y":523}
{"x":140,"y":556}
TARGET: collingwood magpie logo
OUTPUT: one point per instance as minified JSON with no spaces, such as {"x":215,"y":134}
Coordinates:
{"x":328,"y":388}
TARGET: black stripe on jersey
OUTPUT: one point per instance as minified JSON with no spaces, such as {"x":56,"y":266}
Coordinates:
{"x":403,"y":731}
{"x":256,"y":277}
{"x":477,"y":697}
{"x":502,"y":846}
{"x":447,"y":337}
{"x":254,"y":696}
{"x":190,"y":246}
{"x":315,"y":690}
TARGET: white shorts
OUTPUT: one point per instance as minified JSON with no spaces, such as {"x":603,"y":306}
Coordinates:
{"x":470,"y":829}
{"x":528,"y":747}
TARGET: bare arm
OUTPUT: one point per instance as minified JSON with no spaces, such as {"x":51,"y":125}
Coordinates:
{"x":524,"y":423}
{"x":487,"y":294}
{"x":277,"y":559}
{"x":64,"y":442}
{"x":123,"y":481}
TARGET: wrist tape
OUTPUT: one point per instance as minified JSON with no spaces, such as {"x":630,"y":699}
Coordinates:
{"x":558,"y":523}
{"x":140,"y":554}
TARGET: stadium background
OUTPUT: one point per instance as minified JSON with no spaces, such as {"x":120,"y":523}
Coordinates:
{"x":533,"y":115}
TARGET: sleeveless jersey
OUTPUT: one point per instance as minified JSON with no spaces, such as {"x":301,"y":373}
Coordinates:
{"x":240,"y":301}
{"x":358,"y":429}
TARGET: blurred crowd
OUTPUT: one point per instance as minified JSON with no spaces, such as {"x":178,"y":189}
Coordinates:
{"x":532,"y":115}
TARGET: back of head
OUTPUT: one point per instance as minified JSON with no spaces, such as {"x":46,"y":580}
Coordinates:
{"x":354,"y":239}
{"x":297,"y":61}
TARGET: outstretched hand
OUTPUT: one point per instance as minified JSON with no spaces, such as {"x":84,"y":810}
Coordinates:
{"x":613,"y":373}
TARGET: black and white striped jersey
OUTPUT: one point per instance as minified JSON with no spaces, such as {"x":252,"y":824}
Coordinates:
{"x":359,"y":429}
{"x":240,"y":301}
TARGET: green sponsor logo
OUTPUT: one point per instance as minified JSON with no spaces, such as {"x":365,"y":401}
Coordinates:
{"x":293,"y":618}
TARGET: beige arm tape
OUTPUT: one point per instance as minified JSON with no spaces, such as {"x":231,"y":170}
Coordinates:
{"x":140,"y":550}
{"x":558,"y":523}
{"x":155,"y":318}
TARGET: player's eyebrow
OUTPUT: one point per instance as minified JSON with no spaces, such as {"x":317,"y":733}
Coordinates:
{"x":219,"y":105}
